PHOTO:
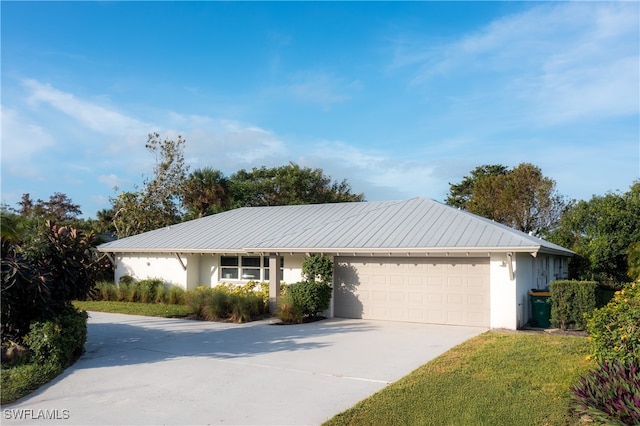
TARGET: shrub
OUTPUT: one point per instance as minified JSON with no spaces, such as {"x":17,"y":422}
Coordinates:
{"x":126,"y":279}
{"x":105,"y":290}
{"x":196,"y":299}
{"x":310,"y":297}
{"x":288,"y":311}
{"x":240,"y":308}
{"x":59,"y":340}
{"x":176,"y":295}
{"x":319,"y":268}
{"x":161,"y":294}
{"x":147,"y":290}
{"x":610,"y":393}
{"x":254,"y":295}
{"x":215,"y":304}
{"x":572,"y":302}
{"x":122,"y":294}
{"x":614,"y":330}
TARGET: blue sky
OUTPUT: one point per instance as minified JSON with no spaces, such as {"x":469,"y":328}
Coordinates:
{"x":399,"y":98}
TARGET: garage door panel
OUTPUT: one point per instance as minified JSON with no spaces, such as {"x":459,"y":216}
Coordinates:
{"x":442,"y":290}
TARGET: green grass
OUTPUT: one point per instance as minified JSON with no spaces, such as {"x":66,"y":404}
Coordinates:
{"x":20,"y":380}
{"x":493,"y":379}
{"x":135,"y":308}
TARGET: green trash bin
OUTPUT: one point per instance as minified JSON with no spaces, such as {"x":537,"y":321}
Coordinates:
{"x":540,"y":308}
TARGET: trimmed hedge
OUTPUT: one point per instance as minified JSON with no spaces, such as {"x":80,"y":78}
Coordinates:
{"x":311,"y":297}
{"x":572,"y":302}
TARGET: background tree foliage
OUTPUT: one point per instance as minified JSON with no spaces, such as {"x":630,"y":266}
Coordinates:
{"x":602,"y":231}
{"x":59,"y":208}
{"x":156,"y":204}
{"x":522,"y":198}
{"x":287,"y":185}
{"x":460,"y":193}
{"x":204,"y":192}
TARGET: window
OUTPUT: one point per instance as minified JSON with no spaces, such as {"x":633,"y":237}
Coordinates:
{"x":245,"y":267}
{"x":250,"y":268}
{"x":229,"y":267}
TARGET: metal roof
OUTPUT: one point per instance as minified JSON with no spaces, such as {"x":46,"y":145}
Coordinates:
{"x":418,"y":225}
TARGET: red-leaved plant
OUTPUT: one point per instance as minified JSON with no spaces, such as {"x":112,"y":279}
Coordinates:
{"x":610,"y":393}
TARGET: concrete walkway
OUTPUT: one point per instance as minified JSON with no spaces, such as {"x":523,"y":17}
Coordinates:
{"x":141,"y":370}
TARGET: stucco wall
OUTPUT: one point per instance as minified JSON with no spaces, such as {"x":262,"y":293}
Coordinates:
{"x":503,"y":292}
{"x":202,"y":269}
{"x":142,"y":266}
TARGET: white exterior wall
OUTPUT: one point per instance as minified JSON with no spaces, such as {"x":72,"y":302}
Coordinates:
{"x":503,"y":292}
{"x":292,"y":271}
{"x":202,"y":269}
{"x":147,"y":265}
{"x":208,"y":272}
{"x":192,"y":262}
{"x":524,"y":283}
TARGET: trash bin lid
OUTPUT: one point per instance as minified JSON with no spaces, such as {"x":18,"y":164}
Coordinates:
{"x":540,"y":293}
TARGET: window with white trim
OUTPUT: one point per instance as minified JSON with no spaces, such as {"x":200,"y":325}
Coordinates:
{"x":246,"y":268}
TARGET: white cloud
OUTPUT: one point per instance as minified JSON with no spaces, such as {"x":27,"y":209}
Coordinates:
{"x":22,"y":140}
{"x":375,"y":171}
{"x":552,"y":63}
{"x":95,"y":117}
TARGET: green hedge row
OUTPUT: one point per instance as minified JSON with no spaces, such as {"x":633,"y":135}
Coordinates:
{"x":572,"y":302}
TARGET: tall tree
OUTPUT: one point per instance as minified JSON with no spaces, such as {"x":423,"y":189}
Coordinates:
{"x":460,"y":193}
{"x":522,"y":198}
{"x":156,"y":204}
{"x":603,"y":232}
{"x":206,"y":191}
{"x":287,"y":185}
{"x":59,"y":208}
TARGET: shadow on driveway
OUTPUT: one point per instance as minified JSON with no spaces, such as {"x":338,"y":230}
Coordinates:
{"x":117,"y":340}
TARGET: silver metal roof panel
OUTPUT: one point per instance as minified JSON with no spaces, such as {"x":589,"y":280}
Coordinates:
{"x":415,"y":225}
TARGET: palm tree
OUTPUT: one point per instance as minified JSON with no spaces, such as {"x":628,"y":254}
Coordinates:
{"x":206,"y":191}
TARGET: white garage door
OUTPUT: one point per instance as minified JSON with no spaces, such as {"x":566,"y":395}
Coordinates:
{"x":431,"y":290}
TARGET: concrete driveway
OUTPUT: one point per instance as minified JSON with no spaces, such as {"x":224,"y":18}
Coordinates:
{"x":141,"y":370}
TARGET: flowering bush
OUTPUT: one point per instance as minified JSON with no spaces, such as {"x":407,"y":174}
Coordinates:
{"x":614,"y":330}
{"x":610,"y":394}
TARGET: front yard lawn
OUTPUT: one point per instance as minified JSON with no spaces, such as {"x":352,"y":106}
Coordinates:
{"x":493,"y":379}
{"x":134,"y":308}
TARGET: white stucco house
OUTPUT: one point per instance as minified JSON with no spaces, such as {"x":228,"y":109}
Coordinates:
{"x":415,"y":260}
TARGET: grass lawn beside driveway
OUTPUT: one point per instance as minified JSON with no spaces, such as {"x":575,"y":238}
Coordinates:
{"x":135,"y":308}
{"x":493,"y":379}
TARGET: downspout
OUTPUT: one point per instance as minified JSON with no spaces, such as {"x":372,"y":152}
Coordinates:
{"x":510,"y":265}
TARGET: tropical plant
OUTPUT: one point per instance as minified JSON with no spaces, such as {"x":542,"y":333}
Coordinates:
{"x":610,"y":393}
{"x":40,"y":280}
{"x":206,"y":191}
